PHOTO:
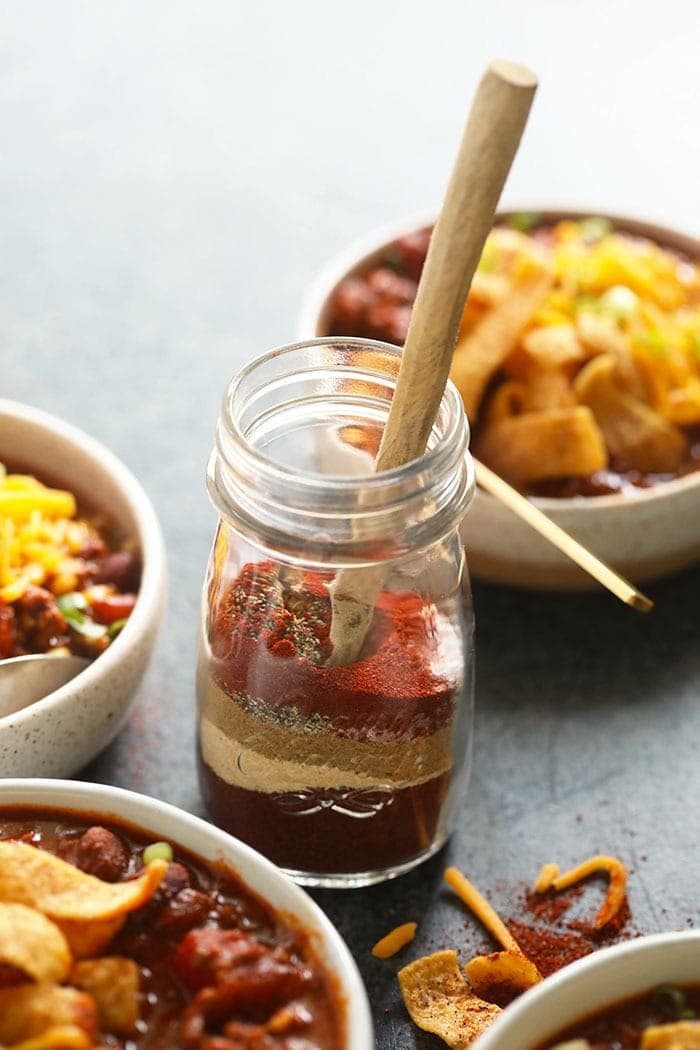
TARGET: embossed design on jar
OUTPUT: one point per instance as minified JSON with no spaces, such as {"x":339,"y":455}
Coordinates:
{"x":355,"y":802}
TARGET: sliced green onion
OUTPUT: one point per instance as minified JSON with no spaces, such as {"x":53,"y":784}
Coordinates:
{"x":695,"y":342}
{"x":158,"y":851}
{"x":524,"y":221}
{"x":594,"y":228}
{"x":619,"y":301}
{"x":671,"y":1002}
{"x":76,"y":618}
{"x":114,"y":628}
{"x":68,"y":603}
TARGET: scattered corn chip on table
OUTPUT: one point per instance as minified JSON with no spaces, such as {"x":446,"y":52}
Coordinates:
{"x":157,"y":234}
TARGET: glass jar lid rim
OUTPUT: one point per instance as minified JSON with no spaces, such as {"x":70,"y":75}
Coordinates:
{"x":431,"y":458}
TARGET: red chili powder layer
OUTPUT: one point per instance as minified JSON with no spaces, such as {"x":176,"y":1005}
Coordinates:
{"x":270,"y":639}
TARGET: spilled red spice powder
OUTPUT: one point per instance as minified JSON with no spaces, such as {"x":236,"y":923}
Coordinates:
{"x":549,"y":907}
{"x":551,"y":942}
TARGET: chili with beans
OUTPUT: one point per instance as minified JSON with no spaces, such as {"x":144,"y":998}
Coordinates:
{"x":66,"y":583}
{"x":376,"y":303}
{"x":218,"y":969}
{"x":663,"y":1017}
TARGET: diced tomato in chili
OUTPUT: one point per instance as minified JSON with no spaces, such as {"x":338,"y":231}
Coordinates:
{"x":239,"y":971}
{"x":217,"y":988}
{"x":112,"y":608}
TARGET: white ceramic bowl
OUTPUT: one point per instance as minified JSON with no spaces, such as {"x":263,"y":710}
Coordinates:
{"x":260,"y":875}
{"x":592,"y":984}
{"x":650,"y":535}
{"x":60,"y":733}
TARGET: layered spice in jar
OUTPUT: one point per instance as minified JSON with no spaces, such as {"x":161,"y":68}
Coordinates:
{"x":341,"y":774}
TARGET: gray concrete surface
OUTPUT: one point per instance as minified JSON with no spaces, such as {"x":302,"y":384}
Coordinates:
{"x":172,"y":176}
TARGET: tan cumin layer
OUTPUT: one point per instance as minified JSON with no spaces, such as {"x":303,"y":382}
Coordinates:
{"x":262,"y":755}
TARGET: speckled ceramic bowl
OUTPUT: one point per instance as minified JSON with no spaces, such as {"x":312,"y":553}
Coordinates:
{"x":647,"y":536}
{"x":600,"y":980}
{"x":164,"y":821}
{"x":60,"y":733}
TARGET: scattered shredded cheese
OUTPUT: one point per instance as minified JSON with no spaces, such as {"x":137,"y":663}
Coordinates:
{"x":395,"y":940}
{"x":39,"y":536}
{"x":548,"y":879}
{"x":482,"y":909}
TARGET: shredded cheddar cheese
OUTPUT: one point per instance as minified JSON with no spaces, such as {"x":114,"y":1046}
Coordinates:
{"x":600,"y":332}
{"x":482,"y":909}
{"x":39,"y":536}
{"x":549,"y":878}
{"x":546,"y":877}
{"x":395,"y":940}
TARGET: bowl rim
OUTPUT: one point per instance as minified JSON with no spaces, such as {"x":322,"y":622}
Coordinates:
{"x":361,"y":249}
{"x":38,"y":791}
{"x":536,"y":999}
{"x":149,"y":604}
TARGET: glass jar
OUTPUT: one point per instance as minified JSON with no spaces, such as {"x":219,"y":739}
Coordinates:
{"x":342,"y":775}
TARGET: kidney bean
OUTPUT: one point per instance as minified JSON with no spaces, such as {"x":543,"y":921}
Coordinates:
{"x":186,"y":909}
{"x":118,"y":567}
{"x":389,"y":285}
{"x":176,"y":878}
{"x":93,"y":547}
{"x":389,"y":321}
{"x":414,"y":248}
{"x":350,"y":304}
{"x":99,"y":852}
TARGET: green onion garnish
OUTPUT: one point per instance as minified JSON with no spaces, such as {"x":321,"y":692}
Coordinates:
{"x":158,"y":851}
{"x":72,"y":606}
{"x":620,"y":302}
{"x":524,"y":221}
{"x":594,"y":228}
{"x":114,"y":628}
{"x":68,"y":603}
{"x":671,"y":1002}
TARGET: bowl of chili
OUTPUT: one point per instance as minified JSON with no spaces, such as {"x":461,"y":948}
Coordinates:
{"x":220,"y":946}
{"x":102,"y":595}
{"x":642,"y":524}
{"x":608,"y":999}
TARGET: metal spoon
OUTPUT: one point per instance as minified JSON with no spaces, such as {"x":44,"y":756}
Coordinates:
{"x":25,"y":679}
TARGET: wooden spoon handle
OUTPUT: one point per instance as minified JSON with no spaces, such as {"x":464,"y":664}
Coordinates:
{"x":489,"y":143}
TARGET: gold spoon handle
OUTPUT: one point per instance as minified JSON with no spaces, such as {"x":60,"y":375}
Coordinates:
{"x":557,"y":536}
